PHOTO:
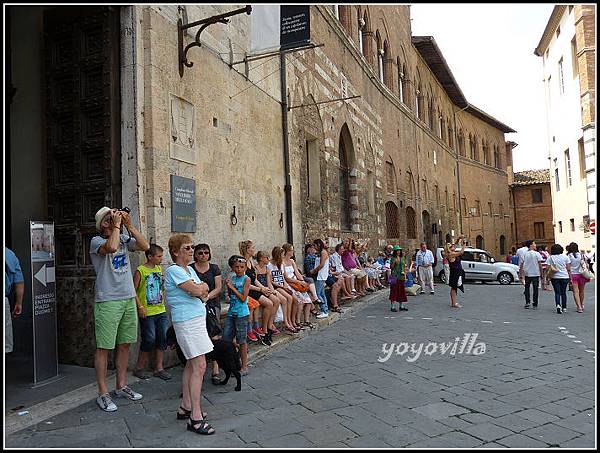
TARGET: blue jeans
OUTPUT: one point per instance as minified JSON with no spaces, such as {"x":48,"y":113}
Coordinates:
{"x":236,"y":327}
{"x":320,"y":286}
{"x":153,"y":331}
{"x":560,"y":291}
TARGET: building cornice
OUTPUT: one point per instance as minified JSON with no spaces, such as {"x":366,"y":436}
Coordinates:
{"x":551,"y":26}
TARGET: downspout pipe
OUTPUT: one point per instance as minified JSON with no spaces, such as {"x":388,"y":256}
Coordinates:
{"x":286,"y":150}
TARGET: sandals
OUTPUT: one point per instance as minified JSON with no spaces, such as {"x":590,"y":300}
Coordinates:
{"x":310,"y":325}
{"x":187,"y":413}
{"x":337,"y":309}
{"x":215,"y":379}
{"x":203,"y":428}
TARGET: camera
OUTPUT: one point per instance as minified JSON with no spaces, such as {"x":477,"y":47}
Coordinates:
{"x":125,"y":209}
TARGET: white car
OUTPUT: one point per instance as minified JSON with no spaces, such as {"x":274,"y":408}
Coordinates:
{"x":480,"y":265}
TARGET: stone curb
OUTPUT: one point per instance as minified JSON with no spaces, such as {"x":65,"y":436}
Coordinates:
{"x":70,"y":400}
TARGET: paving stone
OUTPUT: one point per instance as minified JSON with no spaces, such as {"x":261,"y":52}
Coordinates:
{"x":476,"y":418}
{"x":514,"y":423}
{"x":459,"y":439}
{"x":520,"y":441}
{"x":585,"y":441}
{"x":287,"y":441}
{"x":583,"y":422}
{"x":321,"y":437}
{"x":454,"y":422}
{"x":537,"y":416}
{"x":320,"y":405}
{"x":487,"y":432}
{"x":438,"y":411}
{"x":551,"y":434}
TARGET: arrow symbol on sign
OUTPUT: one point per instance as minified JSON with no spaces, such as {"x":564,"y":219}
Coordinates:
{"x":45,"y":275}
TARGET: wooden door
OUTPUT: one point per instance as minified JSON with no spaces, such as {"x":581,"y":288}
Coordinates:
{"x":81,"y":66}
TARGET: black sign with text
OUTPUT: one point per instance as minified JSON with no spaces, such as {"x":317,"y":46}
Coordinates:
{"x":295,"y":25}
{"x":183,"y":204}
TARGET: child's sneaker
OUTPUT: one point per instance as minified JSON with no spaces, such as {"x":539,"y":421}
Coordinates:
{"x":252,"y":336}
{"x":126,"y":392}
{"x":259,"y":331}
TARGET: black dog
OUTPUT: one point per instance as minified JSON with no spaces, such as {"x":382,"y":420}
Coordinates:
{"x":224,"y":353}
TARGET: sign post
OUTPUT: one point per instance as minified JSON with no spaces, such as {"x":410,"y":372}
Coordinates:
{"x":43,"y":294}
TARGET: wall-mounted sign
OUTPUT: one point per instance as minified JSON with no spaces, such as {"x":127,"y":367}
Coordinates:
{"x":43,"y":294}
{"x":275,"y":27}
{"x":183,"y":204}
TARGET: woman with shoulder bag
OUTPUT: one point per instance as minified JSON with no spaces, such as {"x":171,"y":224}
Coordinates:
{"x":580,"y":275}
{"x":559,"y":273}
{"x":396,"y":280}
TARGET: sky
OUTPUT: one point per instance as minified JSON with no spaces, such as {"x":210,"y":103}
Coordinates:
{"x":489,"y":49}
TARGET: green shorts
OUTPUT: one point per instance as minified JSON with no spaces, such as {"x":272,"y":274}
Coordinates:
{"x":116,"y":323}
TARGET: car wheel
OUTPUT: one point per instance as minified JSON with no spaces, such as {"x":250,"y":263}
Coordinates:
{"x":505,"y":278}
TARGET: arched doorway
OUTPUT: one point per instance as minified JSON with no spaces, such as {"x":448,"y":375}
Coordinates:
{"x":411,"y":223}
{"x":391,"y":220}
{"x":502,"y":245}
{"x":479,"y":242}
{"x":426,"y":217}
{"x":345,"y":157}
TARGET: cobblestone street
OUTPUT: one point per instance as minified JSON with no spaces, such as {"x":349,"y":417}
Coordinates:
{"x":533,"y":386}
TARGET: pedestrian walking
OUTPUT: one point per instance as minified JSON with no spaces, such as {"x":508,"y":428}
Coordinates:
{"x":578,"y":275}
{"x":457,"y":273}
{"x":186,"y":296}
{"x":115,"y":314}
{"x":559,"y":273}
{"x":13,"y":280}
{"x":545,"y":255}
{"x":425,"y":262}
{"x":397,"y":278}
{"x":591,"y":259}
{"x":530,"y":266}
{"x":520,"y":252}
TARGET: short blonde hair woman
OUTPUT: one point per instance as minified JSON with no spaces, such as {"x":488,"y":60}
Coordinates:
{"x":185,"y":295}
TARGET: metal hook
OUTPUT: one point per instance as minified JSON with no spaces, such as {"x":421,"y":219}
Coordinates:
{"x":281,"y":221}
{"x":234,"y":219}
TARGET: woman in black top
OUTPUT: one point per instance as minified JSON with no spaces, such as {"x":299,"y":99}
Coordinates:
{"x":210,"y":274}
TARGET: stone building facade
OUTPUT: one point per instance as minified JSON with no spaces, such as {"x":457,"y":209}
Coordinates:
{"x":533,"y":207}
{"x":408,"y":160}
{"x":568,"y":52}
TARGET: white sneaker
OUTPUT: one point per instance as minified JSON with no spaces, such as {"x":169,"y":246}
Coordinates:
{"x":126,"y":392}
{"x":106,"y":403}
{"x":322,"y":315}
{"x":431,"y":292}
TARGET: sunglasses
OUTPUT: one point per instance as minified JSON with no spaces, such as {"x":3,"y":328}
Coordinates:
{"x":187,"y":247}
{"x":203,"y":252}
{"x":240,"y":260}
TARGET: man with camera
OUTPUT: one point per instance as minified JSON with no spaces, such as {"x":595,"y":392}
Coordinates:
{"x":115,"y":312}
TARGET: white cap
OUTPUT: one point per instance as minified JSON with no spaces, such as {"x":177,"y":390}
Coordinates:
{"x":100,"y":215}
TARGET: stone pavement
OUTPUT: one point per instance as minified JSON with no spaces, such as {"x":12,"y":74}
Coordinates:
{"x":533,"y":386}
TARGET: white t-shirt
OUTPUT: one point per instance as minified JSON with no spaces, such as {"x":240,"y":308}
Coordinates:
{"x":559,"y":261}
{"x":575,"y":262}
{"x":521,"y":251}
{"x":530,"y":263}
{"x":335,"y":260}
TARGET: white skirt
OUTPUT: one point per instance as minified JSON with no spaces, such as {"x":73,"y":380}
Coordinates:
{"x":192,"y":337}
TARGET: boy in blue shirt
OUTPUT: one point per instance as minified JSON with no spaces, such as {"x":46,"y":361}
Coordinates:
{"x":238,"y":286}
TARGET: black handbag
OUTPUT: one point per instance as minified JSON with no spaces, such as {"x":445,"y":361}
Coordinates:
{"x":213,"y":326}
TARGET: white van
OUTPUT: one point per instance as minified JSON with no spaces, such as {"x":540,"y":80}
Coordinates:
{"x":480,"y":265}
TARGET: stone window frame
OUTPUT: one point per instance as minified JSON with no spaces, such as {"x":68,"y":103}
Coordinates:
{"x":411,"y":223}
{"x":392,"y":220}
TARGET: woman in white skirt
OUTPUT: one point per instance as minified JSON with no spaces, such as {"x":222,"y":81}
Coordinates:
{"x":185,"y":294}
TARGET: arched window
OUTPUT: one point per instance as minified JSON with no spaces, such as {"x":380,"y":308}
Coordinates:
{"x":405,"y":87}
{"x":343,"y":178}
{"x":420,"y":97}
{"x":479,"y":242}
{"x":391,"y":220}
{"x":472,"y":146}
{"x":410,"y":183}
{"x":387,"y":66}
{"x":390,"y":176}
{"x":365,"y":42}
{"x":411,"y":223}
{"x":344,"y":16}
{"x":450,"y":137}
{"x":496,"y":157}
{"x":400,"y":80}
{"x":461,"y":143}
{"x":443,"y":128}
{"x":430,"y":111}
{"x":380,"y":54}
{"x":502,"y":245}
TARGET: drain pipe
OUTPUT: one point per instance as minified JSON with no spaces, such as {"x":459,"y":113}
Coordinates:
{"x":286,"y":150}
{"x":460,"y":213}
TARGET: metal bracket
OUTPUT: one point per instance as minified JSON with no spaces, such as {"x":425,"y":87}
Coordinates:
{"x":221,"y":18}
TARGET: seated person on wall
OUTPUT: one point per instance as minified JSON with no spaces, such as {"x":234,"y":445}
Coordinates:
{"x":338,"y":271}
{"x":350,"y":263}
